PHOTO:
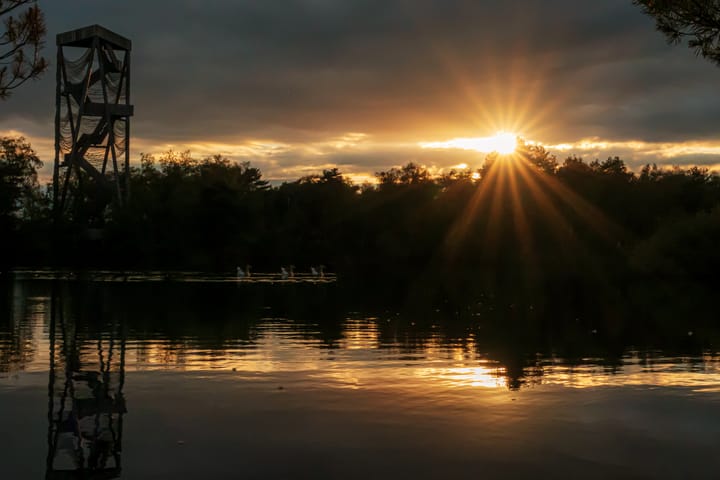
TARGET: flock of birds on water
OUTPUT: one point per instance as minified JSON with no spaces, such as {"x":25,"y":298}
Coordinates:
{"x":286,"y":275}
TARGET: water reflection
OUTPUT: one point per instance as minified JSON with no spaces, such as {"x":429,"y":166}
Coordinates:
{"x":85,"y":399}
{"x":295,"y":369}
{"x":307,"y":331}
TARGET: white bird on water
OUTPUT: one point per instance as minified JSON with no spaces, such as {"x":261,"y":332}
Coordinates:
{"x":287,"y":273}
{"x":243,"y":273}
{"x":318,"y":272}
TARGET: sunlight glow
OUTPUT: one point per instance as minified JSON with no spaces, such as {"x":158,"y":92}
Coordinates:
{"x":362,"y":358}
{"x":503,"y":143}
{"x":664,"y":150}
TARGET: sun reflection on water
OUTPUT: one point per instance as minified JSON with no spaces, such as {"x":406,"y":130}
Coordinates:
{"x":361,"y":356}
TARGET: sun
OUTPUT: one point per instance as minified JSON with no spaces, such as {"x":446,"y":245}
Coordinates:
{"x":503,"y":143}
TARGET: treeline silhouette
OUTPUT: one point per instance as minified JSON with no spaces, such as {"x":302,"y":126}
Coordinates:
{"x":524,"y":223}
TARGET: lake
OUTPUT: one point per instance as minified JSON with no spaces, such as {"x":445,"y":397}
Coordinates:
{"x":166,"y":379}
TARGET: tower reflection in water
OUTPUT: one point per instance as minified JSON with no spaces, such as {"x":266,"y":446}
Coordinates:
{"x":85,"y":399}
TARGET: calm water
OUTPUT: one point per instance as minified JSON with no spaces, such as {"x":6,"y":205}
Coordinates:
{"x":165,"y":380}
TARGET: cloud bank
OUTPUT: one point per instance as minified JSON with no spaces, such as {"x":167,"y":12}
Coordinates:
{"x":296,"y":85}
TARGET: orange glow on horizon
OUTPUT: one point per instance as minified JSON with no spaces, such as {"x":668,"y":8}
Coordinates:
{"x":503,"y":143}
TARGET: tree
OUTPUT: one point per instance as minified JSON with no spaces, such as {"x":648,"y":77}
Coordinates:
{"x":20,"y":44}
{"x":538,"y":156}
{"x":695,"y":20}
{"x":329,"y":176}
{"x":613,"y":166}
{"x":18,"y":179}
{"x":410,"y":174}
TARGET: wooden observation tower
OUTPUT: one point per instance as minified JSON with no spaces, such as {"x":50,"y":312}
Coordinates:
{"x":92,"y":123}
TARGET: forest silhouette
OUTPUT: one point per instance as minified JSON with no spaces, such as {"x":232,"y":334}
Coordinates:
{"x":521,"y":224}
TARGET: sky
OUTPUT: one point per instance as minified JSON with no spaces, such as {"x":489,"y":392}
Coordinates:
{"x":297,"y":86}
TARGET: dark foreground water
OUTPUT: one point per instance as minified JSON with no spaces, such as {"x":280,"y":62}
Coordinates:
{"x":166,"y":380}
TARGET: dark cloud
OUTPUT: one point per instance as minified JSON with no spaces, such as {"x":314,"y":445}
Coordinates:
{"x":303,"y":70}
